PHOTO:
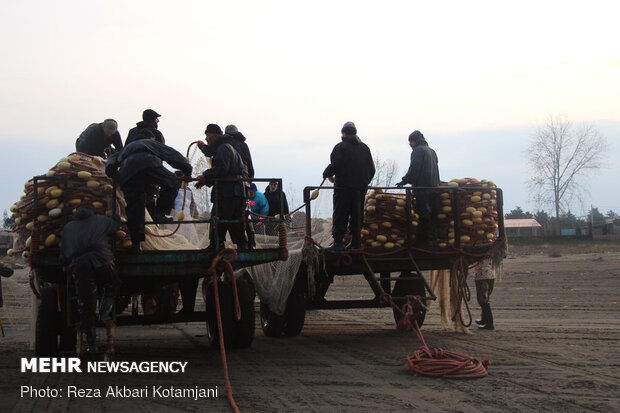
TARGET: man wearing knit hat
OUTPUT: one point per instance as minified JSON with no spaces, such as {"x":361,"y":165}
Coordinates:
{"x":353,"y":168}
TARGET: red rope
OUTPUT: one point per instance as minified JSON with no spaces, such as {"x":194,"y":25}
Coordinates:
{"x":231,"y":274}
{"x":443,"y":363}
{"x":436,"y":362}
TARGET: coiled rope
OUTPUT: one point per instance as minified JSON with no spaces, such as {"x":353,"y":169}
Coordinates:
{"x":436,"y":362}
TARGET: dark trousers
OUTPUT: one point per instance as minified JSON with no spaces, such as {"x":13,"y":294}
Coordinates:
{"x":136,"y":190}
{"x":348,"y":211}
{"x":230,"y":208}
{"x":427,"y":205}
{"x":102,"y":283}
{"x":484,"y":288}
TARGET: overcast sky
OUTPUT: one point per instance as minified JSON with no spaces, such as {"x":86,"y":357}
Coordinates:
{"x":474,"y":77}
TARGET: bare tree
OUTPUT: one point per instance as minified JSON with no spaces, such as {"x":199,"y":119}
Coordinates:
{"x":560,"y":155}
{"x":385,"y":171}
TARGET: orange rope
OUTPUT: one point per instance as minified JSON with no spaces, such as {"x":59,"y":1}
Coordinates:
{"x":443,"y":363}
{"x":231,"y":274}
{"x":436,"y":362}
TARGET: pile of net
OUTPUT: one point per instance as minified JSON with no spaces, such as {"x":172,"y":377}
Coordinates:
{"x":385,"y":220}
{"x":80,"y":180}
{"x":477,"y":204}
{"x":76,"y":180}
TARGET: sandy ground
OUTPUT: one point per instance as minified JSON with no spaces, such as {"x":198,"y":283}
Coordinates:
{"x":556,"y":347}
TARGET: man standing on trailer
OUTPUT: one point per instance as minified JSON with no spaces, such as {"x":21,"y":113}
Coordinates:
{"x":150,"y":121}
{"x":229,"y":197}
{"x":423,"y":172}
{"x":353,"y":169}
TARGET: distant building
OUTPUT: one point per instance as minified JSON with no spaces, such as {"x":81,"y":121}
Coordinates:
{"x":523,"y":228}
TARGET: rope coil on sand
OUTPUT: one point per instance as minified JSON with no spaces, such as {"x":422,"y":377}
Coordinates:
{"x":436,"y":362}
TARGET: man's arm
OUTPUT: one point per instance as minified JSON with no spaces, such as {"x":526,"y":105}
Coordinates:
{"x":335,"y":160}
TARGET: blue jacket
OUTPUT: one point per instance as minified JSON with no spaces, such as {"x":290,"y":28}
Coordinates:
{"x":259,"y":204}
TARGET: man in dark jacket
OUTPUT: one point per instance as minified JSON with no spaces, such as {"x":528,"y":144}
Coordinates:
{"x":138,"y":166}
{"x":150,"y":122}
{"x":238,"y":142}
{"x":228,"y":197}
{"x":353,"y":169}
{"x":273,"y":197}
{"x":84,"y":249}
{"x":98,"y":139}
{"x":423,"y":172}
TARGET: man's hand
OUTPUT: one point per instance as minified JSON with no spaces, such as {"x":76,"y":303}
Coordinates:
{"x":200,"y":144}
{"x":201,"y":181}
{"x":401,"y":183}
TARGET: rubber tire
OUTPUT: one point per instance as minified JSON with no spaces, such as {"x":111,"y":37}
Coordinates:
{"x":47,"y":327}
{"x":408,"y":287}
{"x":243,"y":331}
{"x":227,"y":313}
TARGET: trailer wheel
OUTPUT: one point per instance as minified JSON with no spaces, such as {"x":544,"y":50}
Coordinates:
{"x":227,"y":312}
{"x":46,"y":331}
{"x":243,"y":332}
{"x":403,"y":288}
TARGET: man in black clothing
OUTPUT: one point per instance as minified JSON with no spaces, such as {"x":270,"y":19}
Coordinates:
{"x":273,"y":197}
{"x":150,"y":121}
{"x":423,"y":172}
{"x":236,"y":139}
{"x":84,"y":248}
{"x":98,"y":138}
{"x":353,"y":169}
{"x":238,"y":142}
{"x":229,"y":198}
{"x":136,"y":167}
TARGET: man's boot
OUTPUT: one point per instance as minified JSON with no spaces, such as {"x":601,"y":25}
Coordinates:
{"x":487,"y":318}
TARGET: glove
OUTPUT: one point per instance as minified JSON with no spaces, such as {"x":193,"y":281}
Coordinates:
{"x":401,"y":183}
{"x":200,"y":144}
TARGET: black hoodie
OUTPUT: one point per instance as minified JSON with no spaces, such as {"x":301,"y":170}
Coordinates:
{"x":351,"y":164}
{"x":83,"y":241}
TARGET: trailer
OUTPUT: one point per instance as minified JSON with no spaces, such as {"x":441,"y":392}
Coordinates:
{"x":157,"y":273}
{"x":393,"y":275}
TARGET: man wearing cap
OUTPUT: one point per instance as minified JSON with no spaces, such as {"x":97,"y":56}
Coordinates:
{"x":150,"y":120}
{"x":353,"y":169}
{"x":423,"y":172}
{"x":228,"y":197}
{"x":98,"y":138}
